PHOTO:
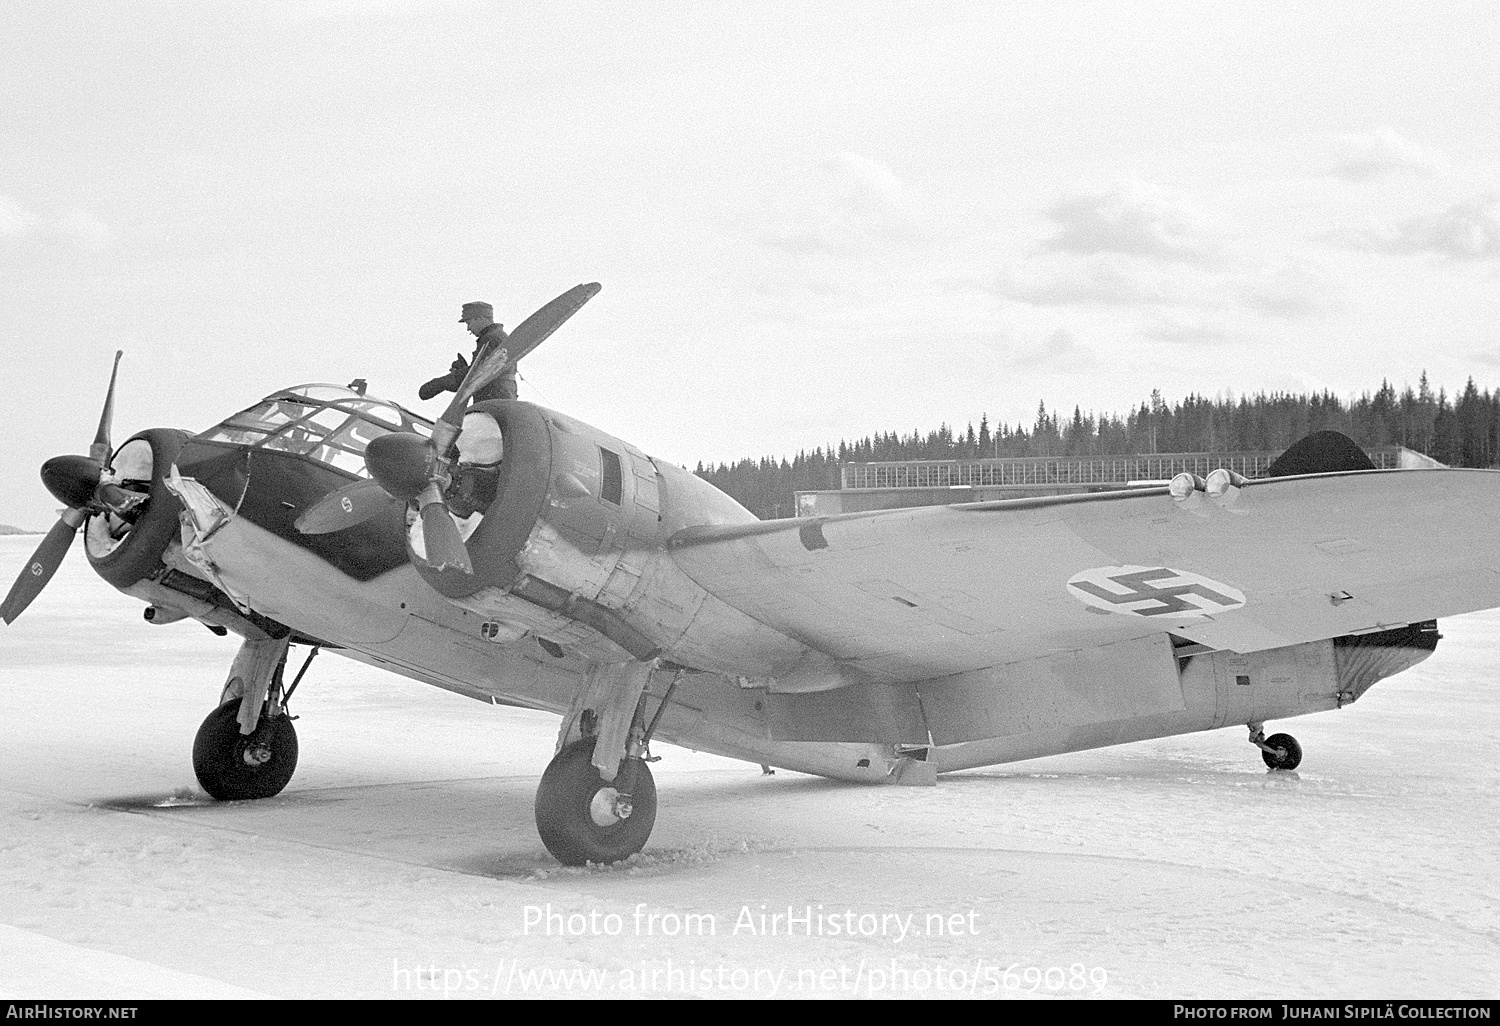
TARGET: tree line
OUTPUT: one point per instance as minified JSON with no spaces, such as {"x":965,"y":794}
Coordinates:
{"x":1461,"y":431}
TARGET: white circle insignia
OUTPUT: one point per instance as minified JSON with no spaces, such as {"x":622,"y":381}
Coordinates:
{"x":1153,"y":591}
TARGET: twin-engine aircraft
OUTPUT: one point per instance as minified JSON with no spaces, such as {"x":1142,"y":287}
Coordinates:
{"x":521,"y":557}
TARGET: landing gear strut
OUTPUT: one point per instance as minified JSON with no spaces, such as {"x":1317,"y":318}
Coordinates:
{"x":584,"y":812}
{"x":1280,"y":751}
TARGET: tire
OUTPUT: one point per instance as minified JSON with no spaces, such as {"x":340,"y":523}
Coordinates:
{"x":566,"y":809}
{"x":219,"y":755}
{"x":1288,"y":744}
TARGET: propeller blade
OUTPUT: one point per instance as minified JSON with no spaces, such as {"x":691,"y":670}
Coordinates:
{"x":529,"y":334}
{"x":440,"y":537}
{"x":352,"y":504}
{"x":101,"y":450}
{"x":481,"y":372}
{"x":537,"y":328}
{"x":396,"y":465}
{"x":44,"y":563}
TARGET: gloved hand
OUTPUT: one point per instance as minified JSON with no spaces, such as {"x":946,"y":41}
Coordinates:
{"x":437,"y":386}
{"x":449,"y":382}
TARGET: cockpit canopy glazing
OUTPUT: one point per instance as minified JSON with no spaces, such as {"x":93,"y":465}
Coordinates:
{"x":326,"y":423}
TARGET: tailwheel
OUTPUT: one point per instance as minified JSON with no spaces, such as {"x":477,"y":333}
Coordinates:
{"x":584,"y":818}
{"x":1281,"y":752}
{"x":232,"y":766}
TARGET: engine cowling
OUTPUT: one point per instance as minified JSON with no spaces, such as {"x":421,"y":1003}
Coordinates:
{"x":577,"y":528}
{"x":521,"y":494}
{"x":124,"y":553}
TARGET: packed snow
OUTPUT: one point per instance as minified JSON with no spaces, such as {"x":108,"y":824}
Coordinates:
{"x":402,"y":861}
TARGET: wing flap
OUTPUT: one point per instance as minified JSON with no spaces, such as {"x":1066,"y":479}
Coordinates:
{"x":1109,"y":684}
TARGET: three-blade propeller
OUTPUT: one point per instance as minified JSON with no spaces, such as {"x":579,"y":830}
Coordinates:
{"x":84,"y":485}
{"x":409,"y":468}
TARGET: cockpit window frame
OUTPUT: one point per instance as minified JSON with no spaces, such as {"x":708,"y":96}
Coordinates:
{"x":310,"y":434}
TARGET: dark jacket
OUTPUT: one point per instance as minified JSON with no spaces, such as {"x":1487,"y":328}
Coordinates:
{"x":503,"y":387}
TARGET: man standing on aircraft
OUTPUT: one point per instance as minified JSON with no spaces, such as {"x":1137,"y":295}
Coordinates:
{"x":480,"y":320}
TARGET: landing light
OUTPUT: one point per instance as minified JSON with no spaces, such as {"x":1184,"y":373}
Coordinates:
{"x":1222,"y":482}
{"x":1184,"y":485}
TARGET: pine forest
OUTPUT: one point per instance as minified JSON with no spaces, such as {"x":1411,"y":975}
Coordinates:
{"x":1461,"y":431}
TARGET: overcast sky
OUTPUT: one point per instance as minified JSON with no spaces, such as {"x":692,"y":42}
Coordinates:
{"x":811,"y":221}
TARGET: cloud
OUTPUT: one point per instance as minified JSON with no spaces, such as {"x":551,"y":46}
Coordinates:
{"x":77,"y":225}
{"x":14,"y":218}
{"x":847,"y":205}
{"x":1383,"y":152}
{"x":1465,"y":231}
{"x":1197,"y":334}
{"x":1059,"y":352}
{"x":1106,"y":280}
{"x":1133,"y":218}
{"x":1292,"y":289}
{"x":872,"y":175}
{"x":86,"y":230}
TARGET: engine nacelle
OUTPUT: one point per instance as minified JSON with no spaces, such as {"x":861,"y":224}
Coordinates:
{"x":124,"y":553}
{"x":574,"y":542}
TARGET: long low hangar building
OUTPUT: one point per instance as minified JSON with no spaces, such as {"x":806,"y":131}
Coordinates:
{"x":897,"y":484}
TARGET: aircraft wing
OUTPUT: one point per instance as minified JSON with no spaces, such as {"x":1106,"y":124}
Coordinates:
{"x":912,"y":594}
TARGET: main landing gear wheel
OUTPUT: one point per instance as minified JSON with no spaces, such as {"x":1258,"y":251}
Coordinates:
{"x":583,"y":818}
{"x":1291,"y":752}
{"x":232,"y":766}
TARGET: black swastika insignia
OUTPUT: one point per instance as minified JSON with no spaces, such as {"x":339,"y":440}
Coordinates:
{"x":1167,"y":598}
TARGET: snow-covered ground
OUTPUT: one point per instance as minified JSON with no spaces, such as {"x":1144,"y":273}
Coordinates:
{"x":403,"y":861}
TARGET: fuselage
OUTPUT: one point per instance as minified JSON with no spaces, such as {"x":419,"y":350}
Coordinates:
{"x":573,"y":567}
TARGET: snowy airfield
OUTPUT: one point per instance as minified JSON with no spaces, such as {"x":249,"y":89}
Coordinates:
{"x":402,"y":861}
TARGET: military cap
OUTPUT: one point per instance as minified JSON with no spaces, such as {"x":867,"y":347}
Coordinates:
{"x":477,"y":309}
